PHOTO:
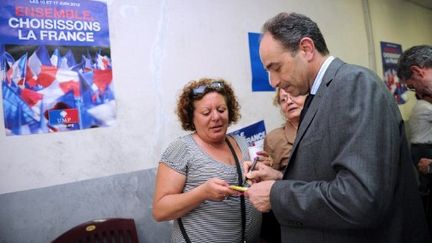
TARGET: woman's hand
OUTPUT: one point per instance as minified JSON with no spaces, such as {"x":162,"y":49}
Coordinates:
{"x":218,"y":190}
{"x":265,"y":158}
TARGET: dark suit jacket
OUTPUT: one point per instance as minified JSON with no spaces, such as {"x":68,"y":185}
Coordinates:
{"x":350,"y":178}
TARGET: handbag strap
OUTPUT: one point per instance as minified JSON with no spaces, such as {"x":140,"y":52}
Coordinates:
{"x":240,"y":183}
{"x":242,"y":199}
{"x":183,"y":231}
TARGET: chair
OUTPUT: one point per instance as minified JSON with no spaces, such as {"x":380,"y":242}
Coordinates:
{"x":112,"y":230}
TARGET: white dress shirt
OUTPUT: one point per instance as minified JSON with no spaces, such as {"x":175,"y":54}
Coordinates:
{"x":420,"y":123}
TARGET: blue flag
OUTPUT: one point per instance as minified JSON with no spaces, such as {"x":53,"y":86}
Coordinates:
{"x":43,"y":55}
{"x":260,"y":79}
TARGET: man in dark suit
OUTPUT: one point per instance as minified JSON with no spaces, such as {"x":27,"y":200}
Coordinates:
{"x":350,"y":177}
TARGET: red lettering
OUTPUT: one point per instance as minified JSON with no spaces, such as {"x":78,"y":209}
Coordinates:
{"x":48,"y":13}
{"x":71,"y":14}
{"x":19,"y":11}
{"x":87,"y":15}
{"x":38,"y":12}
{"x":59,"y":13}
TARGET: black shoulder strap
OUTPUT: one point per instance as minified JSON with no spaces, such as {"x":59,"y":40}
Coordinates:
{"x":183,"y":231}
{"x":240,"y":183}
{"x":242,"y":199}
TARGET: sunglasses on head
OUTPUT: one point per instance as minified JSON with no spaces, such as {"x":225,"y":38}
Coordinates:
{"x":215,"y":85}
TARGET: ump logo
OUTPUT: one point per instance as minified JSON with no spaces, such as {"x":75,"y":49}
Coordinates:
{"x":66,"y":116}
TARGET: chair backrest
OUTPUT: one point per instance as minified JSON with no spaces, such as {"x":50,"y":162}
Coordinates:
{"x":112,"y":230}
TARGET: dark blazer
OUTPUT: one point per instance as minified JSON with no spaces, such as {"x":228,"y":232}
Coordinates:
{"x":350,"y":178}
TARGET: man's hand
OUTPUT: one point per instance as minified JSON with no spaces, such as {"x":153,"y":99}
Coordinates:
{"x":423,"y":165}
{"x":259,"y":195}
{"x":261,"y":172}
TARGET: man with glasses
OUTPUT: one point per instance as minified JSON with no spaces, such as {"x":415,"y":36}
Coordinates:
{"x":415,"y":71}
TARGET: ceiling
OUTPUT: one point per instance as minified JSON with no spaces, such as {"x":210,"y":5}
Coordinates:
{"x":424,"y":3}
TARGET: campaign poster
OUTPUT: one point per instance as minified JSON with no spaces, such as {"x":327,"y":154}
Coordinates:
{"x":254,"y":133}
{"x":390,"y":53}
{"x":55,"y":70}
{"x":260,"y":78}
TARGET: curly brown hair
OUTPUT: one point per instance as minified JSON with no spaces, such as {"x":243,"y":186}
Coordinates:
{"x":185,"y":102}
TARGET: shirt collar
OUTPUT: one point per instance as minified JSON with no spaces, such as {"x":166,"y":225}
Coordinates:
{"x":318,"y":79}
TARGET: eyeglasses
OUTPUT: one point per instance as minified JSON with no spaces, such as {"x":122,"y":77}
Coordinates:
{"x":285,"y":99}
{"x":200,"y":90}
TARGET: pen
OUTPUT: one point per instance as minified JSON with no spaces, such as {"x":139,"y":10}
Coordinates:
{"x":253,"y":164}
{"x":251,"y":169}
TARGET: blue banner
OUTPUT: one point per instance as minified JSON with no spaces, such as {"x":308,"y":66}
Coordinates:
{"x":260,"y":80}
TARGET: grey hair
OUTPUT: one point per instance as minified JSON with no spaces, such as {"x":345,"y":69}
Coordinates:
{"x":290,"y":28}
{"x":420,"y":55}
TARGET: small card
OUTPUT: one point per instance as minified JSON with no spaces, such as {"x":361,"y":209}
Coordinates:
{"x":238,"y":188}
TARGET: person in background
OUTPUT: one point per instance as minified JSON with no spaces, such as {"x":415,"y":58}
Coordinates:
{"x":278,"y":142}
{"x":349,"y":177}
{"x":415,"y":71}
{"x":420,"y":128}
{"x":277,"y":149}
{"x":196,"y":170}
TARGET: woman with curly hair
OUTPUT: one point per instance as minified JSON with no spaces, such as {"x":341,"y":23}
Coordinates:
{"x":196,"y":170}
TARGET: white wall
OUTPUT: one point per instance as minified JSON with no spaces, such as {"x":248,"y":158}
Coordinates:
{"x":159,"y":45}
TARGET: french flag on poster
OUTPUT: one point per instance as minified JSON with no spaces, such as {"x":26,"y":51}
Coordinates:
{"x":40,"y":71}
{"x":39,"y":58}
{"x":55,"y":58}
{"x":19,"y":117}
{"x":67,"y":61}
{"x":102,"y":62}
{"x":60,"y":82}
{"x":34,"y":100}
{"x":17,"y":73}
